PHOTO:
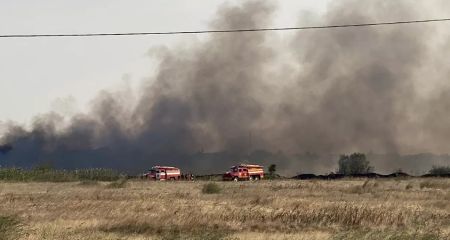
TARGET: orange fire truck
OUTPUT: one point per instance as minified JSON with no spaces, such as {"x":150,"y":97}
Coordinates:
{"x":244,"y":172}
{"x":162,"y":173}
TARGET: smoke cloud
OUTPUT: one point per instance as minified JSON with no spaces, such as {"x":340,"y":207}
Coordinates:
{"x":249,"y":97}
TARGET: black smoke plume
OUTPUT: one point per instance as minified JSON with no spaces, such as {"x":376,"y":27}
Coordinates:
{"x":247,"y":97}
{"x":5,"y":148}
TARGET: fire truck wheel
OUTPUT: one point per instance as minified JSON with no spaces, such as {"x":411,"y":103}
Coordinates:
{"x":235,"y":179}
{"x":256,"y":178}
{"x":251,"y":178}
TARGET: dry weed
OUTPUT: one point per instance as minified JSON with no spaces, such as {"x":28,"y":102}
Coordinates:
{"x":344,"y":209}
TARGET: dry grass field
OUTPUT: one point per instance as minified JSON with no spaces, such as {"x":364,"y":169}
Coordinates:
{"x":342,"y":209}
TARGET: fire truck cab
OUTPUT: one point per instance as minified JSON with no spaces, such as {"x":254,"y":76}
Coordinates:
{"x":161,"y":173}
{"x":244,"y":172}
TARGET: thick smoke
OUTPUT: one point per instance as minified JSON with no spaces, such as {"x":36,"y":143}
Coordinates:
{"x":244,"y":97}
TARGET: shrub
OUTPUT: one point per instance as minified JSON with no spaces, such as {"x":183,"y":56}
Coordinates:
{"x":433,"y":184}
{"x":8,"y":228}
{"x":272,"y":172}
{"x":51,"y":175}
{"x":13,"y":174}
{"x":88,"y":183}
{"x":356,"y":163}
{"x":121,"y":183}
{"x":440,"y":170}
{"x":409,"y":186}
{"x":169,"y":231}
{"x":211,"y":188}
{"x":358,"y":234}
{"x":272,"y":169}
{"x":45,"y":174}
{"x":98,"y":174}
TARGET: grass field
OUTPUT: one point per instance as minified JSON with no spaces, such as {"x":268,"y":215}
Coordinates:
{"x":342,"y":209}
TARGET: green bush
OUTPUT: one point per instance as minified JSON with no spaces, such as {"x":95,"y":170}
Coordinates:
{"x":9,"y":228}
{"x":211,"y":188}
{"x":98,"y":174}
{"x":356,"y":163}
{"x":440,"y":170}
{"x":54,"y":175}
{"x":272,"y":173}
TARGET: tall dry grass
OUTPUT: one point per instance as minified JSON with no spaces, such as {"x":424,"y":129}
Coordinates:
{"x":344,"y":209}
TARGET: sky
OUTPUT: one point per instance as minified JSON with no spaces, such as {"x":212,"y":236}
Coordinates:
{"x":38,"y":75}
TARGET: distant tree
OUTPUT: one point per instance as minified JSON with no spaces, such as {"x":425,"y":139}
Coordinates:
{"x":355,"y":163}
{"x":440,"y":170}
{"x":272,"y":169}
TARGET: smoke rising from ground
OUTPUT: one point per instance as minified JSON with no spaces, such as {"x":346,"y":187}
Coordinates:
{"x":245,"y":95}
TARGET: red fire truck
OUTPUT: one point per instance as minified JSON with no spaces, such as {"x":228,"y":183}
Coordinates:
{"x":162,"y":173}
{"x":244,"y":172}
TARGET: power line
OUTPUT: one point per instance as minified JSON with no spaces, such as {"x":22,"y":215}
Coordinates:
{"x":222,"y":31}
